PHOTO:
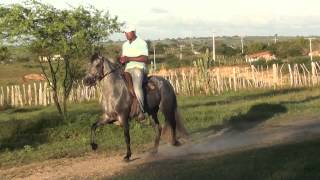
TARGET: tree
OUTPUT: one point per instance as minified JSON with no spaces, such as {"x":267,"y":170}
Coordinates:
{"x":161,"y":47}
{"x":256,"y":47}
{"x":291,"y":48}
{"x":4,"y":53}
{"x":72,"y":33}
{"x":226,"y":50}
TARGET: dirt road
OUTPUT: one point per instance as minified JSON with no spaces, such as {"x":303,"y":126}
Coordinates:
{"x":226,"y":140}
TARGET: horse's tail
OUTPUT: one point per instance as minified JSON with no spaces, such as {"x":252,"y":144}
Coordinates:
{"x":174,"y":126}
{"x":168,"y":127}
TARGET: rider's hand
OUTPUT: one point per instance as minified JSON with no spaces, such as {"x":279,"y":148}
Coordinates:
{"x":123,"y":59}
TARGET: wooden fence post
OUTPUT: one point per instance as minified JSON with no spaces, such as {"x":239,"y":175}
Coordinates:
{"x":219,"y":88}
{"x":40,"y":94}
{"x":275,"y":75}
{"x":2,"y":97}
{"x":234,"y":79}
{"x":12,"y":96}
{"x":35,"y":94}
{"x":313,"y":72}
{"x":20,"y":96}
{"x":291,"y":76}
{"x":29,"y":95}
{"x":8,"y":95}
{"x":45,"y":94}
{"x":253,"y":76}
{"x":24,"y":94}
{"x":281,"y":77}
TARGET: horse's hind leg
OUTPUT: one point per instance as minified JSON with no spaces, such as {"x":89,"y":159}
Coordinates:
{"x":157,"y":129}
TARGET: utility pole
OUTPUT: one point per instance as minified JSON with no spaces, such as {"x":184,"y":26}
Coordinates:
{"x":242,"y":51}
{"x":154,"y":57}
{"x":180,"y":51}
{"x":213,"y":47}
{"x":310,"y":44}
{"x":192,"y":47}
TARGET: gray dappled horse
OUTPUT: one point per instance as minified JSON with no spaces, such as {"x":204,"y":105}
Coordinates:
{"x":117,"y":102}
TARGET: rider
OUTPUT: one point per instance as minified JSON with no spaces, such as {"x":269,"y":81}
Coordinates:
{"x":135,"y":55}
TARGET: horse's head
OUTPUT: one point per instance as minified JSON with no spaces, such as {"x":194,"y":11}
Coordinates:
{"x":95,"y":70}
{"x":99,"y":67}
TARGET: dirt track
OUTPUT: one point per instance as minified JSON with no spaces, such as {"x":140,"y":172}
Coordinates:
{"x":214,"y":143}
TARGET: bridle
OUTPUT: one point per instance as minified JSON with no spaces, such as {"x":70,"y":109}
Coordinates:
{"x":108,"y":73}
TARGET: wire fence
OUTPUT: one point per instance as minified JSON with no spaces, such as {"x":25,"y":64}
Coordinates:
{"x":185,"y":81}
{"x":40,"y":94}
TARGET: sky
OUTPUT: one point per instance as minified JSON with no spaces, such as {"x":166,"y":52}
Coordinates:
{"x":200,"y":18}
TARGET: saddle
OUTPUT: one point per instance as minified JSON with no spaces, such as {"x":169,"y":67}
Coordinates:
{"x":147,"y":86}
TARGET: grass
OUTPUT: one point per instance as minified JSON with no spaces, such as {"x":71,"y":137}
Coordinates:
{"x":290,"y":161}
{"x":37,"y":134}
{"x":13,"y":73}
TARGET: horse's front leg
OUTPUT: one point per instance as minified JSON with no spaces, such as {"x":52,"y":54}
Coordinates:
{"x":94,"y":127}
{"x":127,"y":139}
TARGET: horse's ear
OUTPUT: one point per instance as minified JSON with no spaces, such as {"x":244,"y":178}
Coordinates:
{"x":96,"y":55}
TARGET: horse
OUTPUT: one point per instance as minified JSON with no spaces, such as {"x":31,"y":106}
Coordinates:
{"x":116,"y":103}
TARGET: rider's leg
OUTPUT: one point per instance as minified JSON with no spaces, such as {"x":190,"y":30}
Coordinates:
{"x":137,"y":79}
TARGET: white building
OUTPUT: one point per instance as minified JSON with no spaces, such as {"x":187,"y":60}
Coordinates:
{"x":56,"y":57}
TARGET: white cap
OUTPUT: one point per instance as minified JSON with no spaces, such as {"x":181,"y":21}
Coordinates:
{"x":129,"y":28}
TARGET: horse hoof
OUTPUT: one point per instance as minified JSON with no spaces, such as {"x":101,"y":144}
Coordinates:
{"x":176,"y":143}
{"x":154,"y":151}
{"x":94,"y":146}
{"x":126,"y":159}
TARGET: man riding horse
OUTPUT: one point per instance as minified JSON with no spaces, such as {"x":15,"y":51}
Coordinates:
{"x":118,"y":103}
{"x":135,"y":56}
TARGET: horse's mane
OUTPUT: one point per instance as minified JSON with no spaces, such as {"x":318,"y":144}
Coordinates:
{"x":98,"y":56}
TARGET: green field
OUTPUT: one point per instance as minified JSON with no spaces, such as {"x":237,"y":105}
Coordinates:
{"x":36,"y":134}
{"x":12,"y":74}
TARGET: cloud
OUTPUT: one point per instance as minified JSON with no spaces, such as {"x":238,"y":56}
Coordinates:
{"x":158,"y":11}
{"x":172,"y":26}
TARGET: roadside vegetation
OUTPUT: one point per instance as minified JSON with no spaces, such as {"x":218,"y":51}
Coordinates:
{"x":34,"y":134}
{"x":37,"y":133}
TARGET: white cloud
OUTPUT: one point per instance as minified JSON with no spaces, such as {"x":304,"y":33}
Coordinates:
{"x":158,"y":11}
{"x":168,"y":18}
